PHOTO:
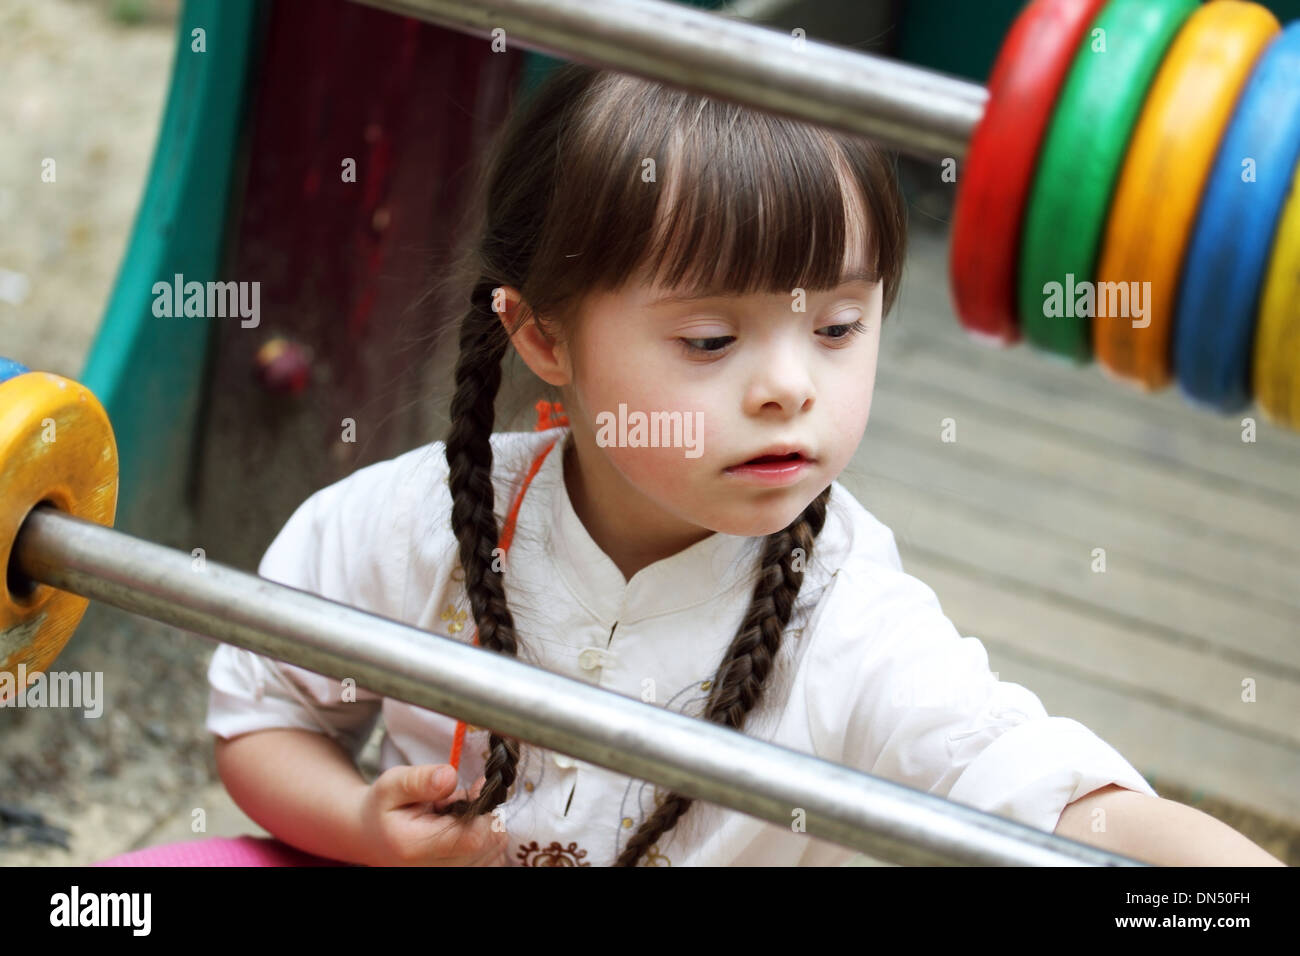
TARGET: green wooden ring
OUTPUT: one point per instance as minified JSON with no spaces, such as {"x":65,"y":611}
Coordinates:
{"x":1080,"y":163}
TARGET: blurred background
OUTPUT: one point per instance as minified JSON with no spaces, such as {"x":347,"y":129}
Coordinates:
{"x":224,"y":166}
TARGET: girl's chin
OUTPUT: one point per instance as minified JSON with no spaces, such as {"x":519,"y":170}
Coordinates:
{"x":760,"y":525}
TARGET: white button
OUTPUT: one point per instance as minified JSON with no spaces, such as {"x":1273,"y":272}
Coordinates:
{"x":563,"y":761}
{"x":590,"y":658}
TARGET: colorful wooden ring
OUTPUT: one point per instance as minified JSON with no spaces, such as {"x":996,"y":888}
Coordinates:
{"x":56,"y":446}
{"x":1276,"y":368}
{"x":1218,"y":297}
{"x":11,"y":369}
{"x":1080,"y":161}
{"x":1160,"y":187}
{"x":999,"y":167}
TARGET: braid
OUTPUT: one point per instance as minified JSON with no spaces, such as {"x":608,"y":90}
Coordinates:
{"x":483,"y":344}
{"x":739,"y":683}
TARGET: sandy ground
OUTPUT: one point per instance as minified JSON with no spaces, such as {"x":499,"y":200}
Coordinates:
{"x":83,"y":83}
{"x":84,"y":87}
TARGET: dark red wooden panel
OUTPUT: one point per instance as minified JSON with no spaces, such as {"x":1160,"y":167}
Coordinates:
{"x":340,"y":264}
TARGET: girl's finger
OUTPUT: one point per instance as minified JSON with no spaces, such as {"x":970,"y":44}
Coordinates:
{"x":451,"y":798}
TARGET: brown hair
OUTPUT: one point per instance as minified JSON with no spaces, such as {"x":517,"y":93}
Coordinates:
{"x":754,"y":203}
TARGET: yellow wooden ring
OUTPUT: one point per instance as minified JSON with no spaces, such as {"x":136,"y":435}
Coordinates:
{"x":1164,"y":174}
{"x":1276,"y":370}
{"x":56,"y":446}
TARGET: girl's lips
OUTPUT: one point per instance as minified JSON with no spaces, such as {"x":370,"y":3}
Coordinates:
{"x":772,"y":472}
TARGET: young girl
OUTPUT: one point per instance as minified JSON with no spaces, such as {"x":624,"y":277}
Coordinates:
{"x":648,"y":252}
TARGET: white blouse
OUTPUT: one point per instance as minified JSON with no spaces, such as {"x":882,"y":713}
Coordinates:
{"x":870,"y":674}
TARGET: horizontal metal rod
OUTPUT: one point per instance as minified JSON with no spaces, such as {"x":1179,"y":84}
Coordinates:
{"x":698,"y":758}
{"x":917,"y":111}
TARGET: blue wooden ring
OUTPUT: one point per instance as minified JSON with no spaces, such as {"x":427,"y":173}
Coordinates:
{"x":1222,"y":274}
{"x":11,"y":369}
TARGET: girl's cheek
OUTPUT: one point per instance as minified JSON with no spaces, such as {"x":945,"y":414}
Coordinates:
{"x":641,"y":471}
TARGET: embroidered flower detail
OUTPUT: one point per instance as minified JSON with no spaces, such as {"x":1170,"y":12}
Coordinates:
{"x":457,"y":619}
{"x":554,"y":855}
{"x":653,"y":857}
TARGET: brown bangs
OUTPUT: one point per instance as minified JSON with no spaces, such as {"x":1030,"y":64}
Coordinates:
{"x":705,"y":197}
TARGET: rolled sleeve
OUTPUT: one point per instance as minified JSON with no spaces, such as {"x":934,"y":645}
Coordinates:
{"x":1032,"y":771}
{"x":249,"y":691}
{"x":910,"y":699}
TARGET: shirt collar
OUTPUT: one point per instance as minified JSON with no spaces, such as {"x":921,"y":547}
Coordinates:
{"x":721,"y":566}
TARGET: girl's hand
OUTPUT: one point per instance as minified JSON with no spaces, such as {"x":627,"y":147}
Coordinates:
{"x":401,"y":825}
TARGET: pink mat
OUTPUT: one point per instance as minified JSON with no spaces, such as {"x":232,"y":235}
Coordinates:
{"x":221,"y":851}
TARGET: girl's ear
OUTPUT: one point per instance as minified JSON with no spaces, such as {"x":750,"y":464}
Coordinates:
{"x":546,"y":356}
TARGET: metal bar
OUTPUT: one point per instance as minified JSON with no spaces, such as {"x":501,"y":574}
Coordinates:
{"x":878,"y":817}
{"x":917,"y":111}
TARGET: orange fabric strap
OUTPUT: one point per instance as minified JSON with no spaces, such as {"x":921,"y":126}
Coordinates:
{"x":549,"y":415}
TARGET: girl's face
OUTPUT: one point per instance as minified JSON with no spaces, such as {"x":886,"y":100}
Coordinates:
{"x":741,"y":375}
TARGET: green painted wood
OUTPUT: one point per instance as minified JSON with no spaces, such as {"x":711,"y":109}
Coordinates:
{"x":963,"y":37}
{"x":149,"y":371}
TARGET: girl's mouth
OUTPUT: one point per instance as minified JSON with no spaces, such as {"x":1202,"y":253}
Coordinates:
{"x":771,"y":469}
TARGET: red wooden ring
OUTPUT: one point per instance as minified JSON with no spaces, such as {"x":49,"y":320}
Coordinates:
{"x":994,"y":186}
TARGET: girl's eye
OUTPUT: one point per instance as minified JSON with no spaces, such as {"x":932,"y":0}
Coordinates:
{"x":846,"y":330}
{"x":717,"y":344}
{"x":690,"y":346}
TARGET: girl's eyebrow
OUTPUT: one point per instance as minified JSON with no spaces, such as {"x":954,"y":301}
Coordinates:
{"x":859,"y":276}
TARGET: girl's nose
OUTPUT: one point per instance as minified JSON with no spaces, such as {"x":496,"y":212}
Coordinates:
{"x":783,"y":383}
